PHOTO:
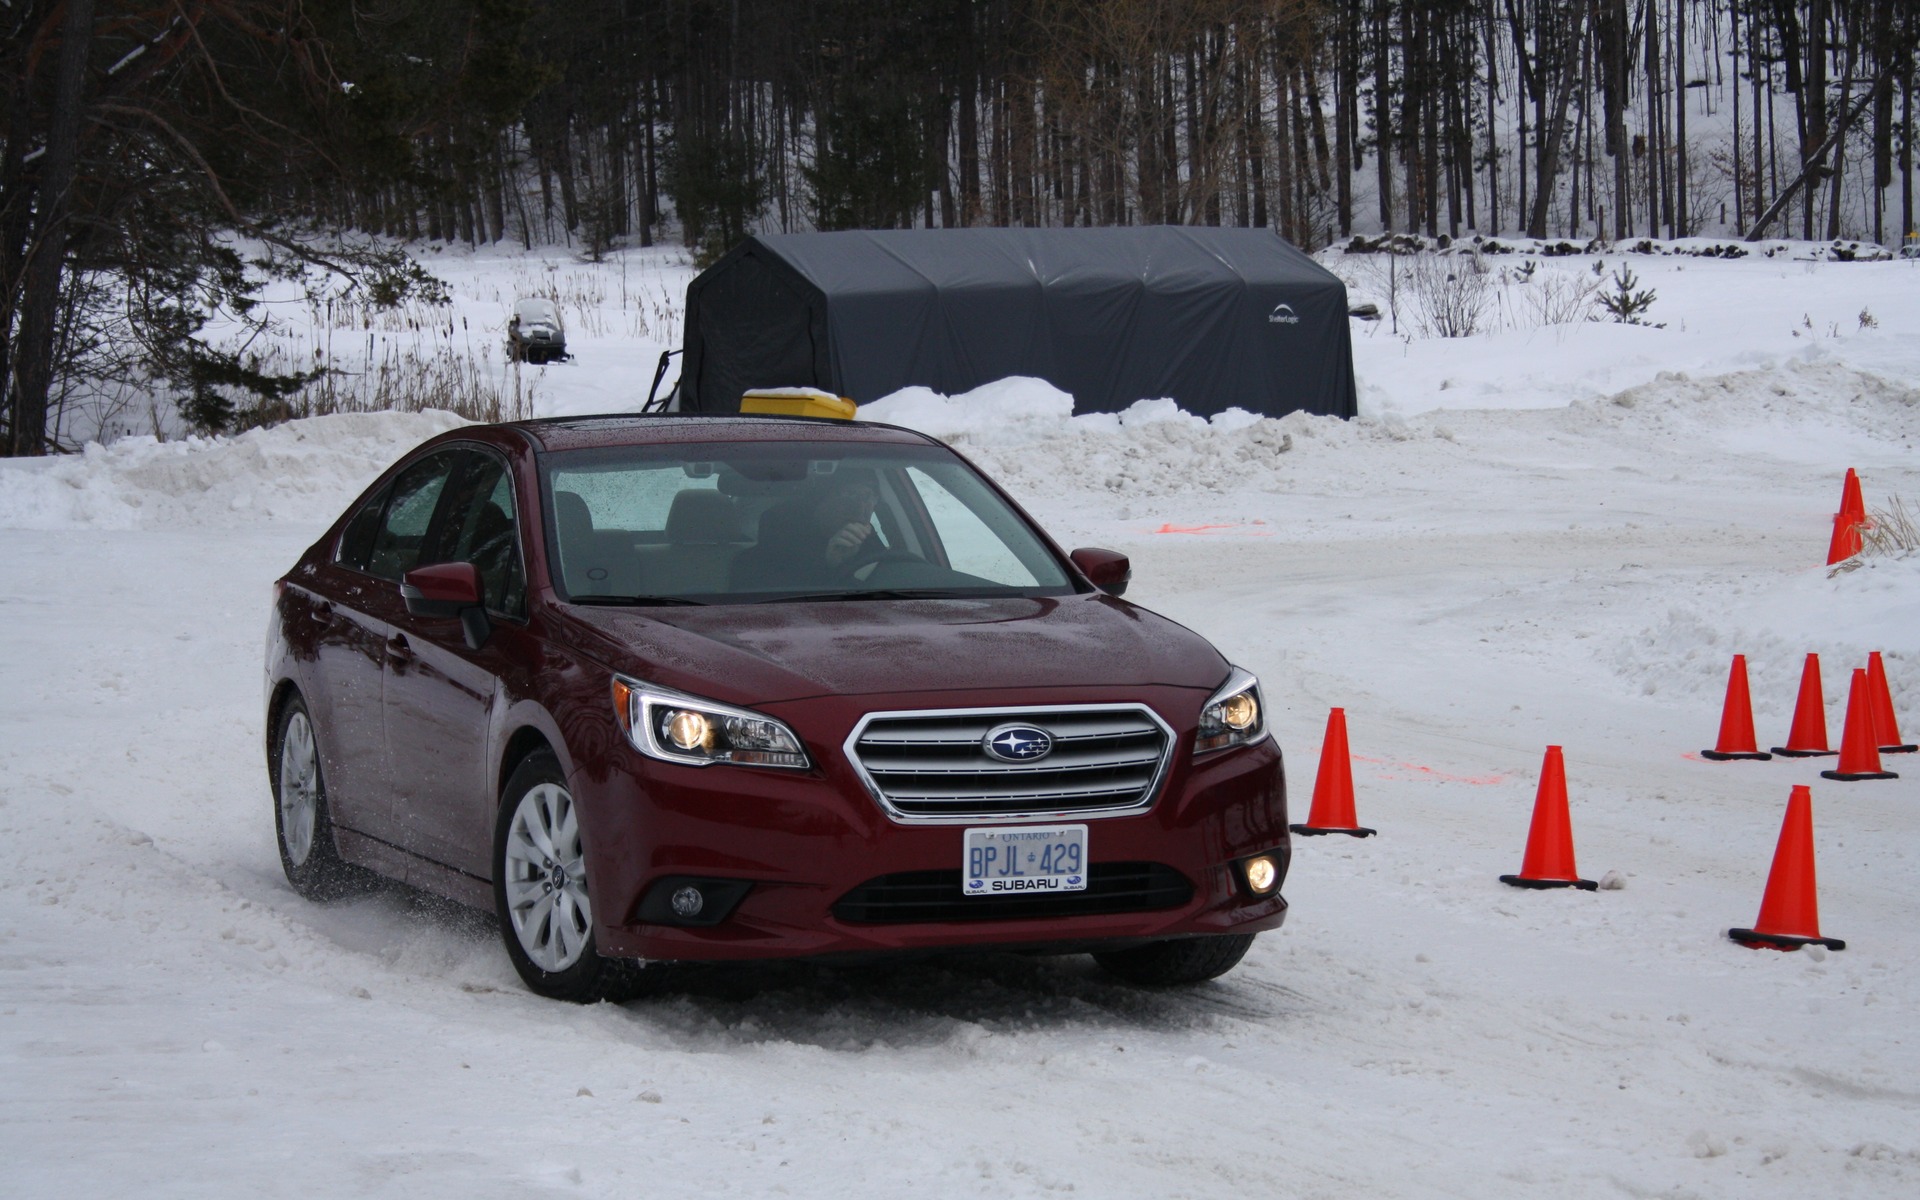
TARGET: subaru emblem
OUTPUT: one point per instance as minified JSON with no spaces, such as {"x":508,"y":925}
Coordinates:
{"x":1017,"y":743}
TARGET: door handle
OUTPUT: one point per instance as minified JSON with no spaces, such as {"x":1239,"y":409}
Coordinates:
{"x":398,"y":649}
{"x":322,"y":613}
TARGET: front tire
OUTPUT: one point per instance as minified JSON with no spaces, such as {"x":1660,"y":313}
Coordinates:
{"x":1179,"y":962}
{"x":302,"y":822}
{"x":541,"y":894}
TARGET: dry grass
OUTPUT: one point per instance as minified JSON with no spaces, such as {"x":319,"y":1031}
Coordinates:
{"x":1889,"y":532}
{"x":396,"y":377}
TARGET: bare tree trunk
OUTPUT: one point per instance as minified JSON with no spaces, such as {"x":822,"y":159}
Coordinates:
{"x":32,"y":365}
{"x":1739,"y":193}
{"x":1283,"y":160}
{"x":1493,"y":125}
{"x":1257,"y":145}
{"x":1655,"y":151}
{"x":1840,"y":153}
{"x":1616,"y":56}
{"x":1412,"y":84}
{"x":1566,"y":64}
{"x":1883,"y":53}
{"x":1755,"y":66}
{"x":969,"y":142}
{"x":1382,"y":110}
{"x":1343,"y":117}
{"x":1682,"y":219}
{"x":1907,"y":227}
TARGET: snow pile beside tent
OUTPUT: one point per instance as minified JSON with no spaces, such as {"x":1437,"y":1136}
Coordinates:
{"x":1024,"y":432}
{"x":301,"y":471}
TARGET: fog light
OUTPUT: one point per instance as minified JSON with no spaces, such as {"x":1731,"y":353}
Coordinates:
{"x":687,"y":902}
{"x":1261,"y":875}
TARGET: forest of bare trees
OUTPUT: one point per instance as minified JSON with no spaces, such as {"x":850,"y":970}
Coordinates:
{"x":140,"y":136}
{"x":1563,"y":118}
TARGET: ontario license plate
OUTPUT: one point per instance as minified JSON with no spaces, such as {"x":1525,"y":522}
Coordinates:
{"x":1025,"y":858}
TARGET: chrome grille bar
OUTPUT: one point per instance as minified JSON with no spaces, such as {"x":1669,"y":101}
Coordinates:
{"x":931,"y":766}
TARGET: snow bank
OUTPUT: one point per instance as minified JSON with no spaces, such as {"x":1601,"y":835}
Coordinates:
{"x":1024,"y":432}
{"x":302,"y":471}
{"x":1776,"y":621}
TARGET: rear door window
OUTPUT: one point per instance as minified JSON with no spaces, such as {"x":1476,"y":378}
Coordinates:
{"x":356,"y":541}
{"x":480,"y":525}
{"x":411,"y":503}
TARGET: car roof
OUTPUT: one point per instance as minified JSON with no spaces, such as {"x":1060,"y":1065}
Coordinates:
{"x":635,"y":429}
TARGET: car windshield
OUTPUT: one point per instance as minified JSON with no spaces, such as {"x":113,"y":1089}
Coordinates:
{"x":766,"y":522}
{"x":537,"y":312}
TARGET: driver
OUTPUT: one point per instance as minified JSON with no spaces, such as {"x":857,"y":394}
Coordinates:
{"x":847,"y":513}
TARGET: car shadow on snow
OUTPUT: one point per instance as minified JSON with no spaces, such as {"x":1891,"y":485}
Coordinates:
{"x":918,"y":1000}
{"x":940,"y":999}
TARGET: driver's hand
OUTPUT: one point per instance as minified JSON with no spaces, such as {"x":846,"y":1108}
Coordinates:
{"x":846,"y":543}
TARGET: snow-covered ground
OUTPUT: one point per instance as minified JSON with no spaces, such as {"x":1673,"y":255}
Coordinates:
{"x":1532,"y":537}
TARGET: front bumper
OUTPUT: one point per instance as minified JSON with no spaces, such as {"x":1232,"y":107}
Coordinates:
{"x":804,"y":840}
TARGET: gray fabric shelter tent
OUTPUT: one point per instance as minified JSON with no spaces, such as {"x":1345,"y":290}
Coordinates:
{"x":1215,"y":318}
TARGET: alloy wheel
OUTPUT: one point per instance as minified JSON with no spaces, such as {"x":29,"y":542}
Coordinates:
{"x":299,"y":788}
{"x":546,"y":879}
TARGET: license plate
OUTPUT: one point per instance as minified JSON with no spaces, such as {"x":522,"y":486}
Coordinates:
{"x":1009,"y":859}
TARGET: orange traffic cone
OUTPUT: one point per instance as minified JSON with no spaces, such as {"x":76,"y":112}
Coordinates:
{"x":1859,"y":756}
{"x":1851,"y":501}
{"x":1549,"y":859}
{"x":1846,"y":538}
{"x":1790,"y":910}
{"x":1333,"y":786}
{"x":1886,"y":730}
{"x":1808,"y":737}
{"x":1736,"y":719}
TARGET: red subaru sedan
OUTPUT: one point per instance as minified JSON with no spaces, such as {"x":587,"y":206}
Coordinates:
{"x":675,"y":688}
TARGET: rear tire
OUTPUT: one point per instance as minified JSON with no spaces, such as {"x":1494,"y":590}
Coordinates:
{"x":303,"y":824}
{"x":1178,"y":962}
{"x":541,"y":894}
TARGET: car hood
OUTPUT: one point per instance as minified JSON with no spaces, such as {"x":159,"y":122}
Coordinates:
{"x":766,"y":653}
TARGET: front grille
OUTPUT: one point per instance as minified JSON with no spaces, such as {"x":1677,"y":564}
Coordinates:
{"x":936,"y":896}
{"x":934,"y":767}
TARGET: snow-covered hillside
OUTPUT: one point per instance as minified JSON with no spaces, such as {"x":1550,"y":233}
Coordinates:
{"x":1552,"y":535}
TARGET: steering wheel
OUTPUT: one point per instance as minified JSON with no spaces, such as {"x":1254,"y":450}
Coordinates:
{"x":871,"y":554}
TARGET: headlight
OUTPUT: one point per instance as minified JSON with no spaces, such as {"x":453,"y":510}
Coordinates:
{"x":1233,"y":715}
{"x":678,"y":728}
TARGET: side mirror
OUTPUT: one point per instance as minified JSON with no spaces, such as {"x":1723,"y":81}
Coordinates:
{"x":448,"y":591}
{"x":1108,"y":570}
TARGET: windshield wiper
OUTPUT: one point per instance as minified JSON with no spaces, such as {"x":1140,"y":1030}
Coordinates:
{"x":632,"y":601}
{"x":869,"y":594}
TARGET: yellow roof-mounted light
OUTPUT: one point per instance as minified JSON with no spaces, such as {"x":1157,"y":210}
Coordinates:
{"x":798,"y":402}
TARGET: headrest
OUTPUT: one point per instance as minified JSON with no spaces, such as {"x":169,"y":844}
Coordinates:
{"x":702,"y":516}
{"x":491,"y":522}
{"x":571,"y":514}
